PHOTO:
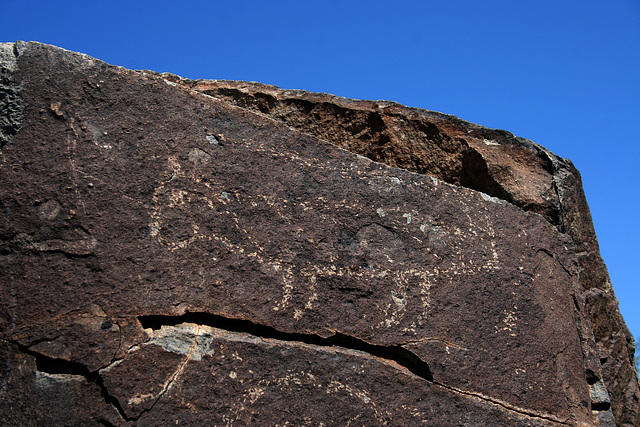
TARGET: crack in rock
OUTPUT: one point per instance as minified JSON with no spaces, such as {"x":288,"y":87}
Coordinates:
{"x":191,"y":323}
{"x":522,"y":411}
{"x":55,"y":366}
{"x":396,"y":353}
{"x":174,"y":377}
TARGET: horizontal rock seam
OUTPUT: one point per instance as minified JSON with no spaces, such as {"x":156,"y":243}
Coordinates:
{"x":396,"y":353}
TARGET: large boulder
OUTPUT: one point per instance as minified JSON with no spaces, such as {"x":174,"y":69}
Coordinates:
{"x":178,"y":251}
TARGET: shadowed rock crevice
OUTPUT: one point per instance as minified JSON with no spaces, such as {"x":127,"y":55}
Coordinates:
{"x":397,"y":353}
{"x":601,"y":407}
{"x":475,"y":175}
{"x":56,"y":366}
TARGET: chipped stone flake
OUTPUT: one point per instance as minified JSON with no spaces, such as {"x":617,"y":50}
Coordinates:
{"x":180,"y":339}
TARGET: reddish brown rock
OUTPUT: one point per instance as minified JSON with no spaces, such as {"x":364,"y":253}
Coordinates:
{"x":461,"y":153}
{"x":171,"y":258}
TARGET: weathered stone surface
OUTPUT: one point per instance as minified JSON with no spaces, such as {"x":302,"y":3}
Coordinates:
{"x":492,"y":161}
{"x":171,"y":258}
{"x":10,"y":101}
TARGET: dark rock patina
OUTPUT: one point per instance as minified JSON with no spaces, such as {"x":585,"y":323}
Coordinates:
{"x":169,"y":257}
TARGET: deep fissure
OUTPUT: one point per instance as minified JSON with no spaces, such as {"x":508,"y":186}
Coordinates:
{"x":600,"y":406}
{"x":395,"y":353}
{"x":55,"y":366}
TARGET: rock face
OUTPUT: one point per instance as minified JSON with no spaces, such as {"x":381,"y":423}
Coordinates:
{"x":182,"y":252}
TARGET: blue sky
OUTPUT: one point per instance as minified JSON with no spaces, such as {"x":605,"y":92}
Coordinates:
{"x":563,"y":73}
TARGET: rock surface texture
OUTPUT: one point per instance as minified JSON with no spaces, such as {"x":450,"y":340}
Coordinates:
{"x":184,"y":252}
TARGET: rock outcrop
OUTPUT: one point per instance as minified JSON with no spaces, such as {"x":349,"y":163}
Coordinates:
{"x":178,"y":251}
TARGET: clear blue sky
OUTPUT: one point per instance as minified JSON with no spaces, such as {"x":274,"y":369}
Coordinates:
{"x":564,"y":73}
